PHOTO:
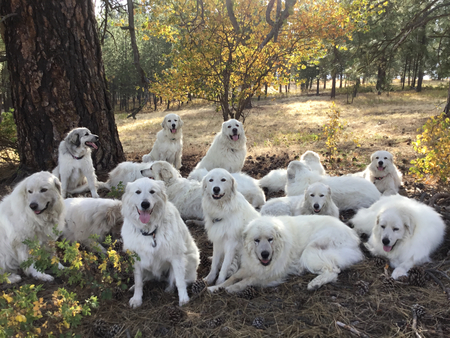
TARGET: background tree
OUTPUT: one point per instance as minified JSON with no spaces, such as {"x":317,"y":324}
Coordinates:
{"x":58,"y":80}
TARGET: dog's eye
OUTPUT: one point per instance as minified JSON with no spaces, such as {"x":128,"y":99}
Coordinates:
{"x":270,"y":240}
{"x":312,"y":195}
{"x":223,"y":180}
{"x":385,"y":158}
{"x":152,"y":192}
{"x":377,"y":158}
{"x":211,"y":180}
{"x":321,"y":195}
{"x":229,"y":126}
{"x":383,"y":227}
{"x":30,"y":192}
{"x":175,"y":120}
{"x":138,"y":192}
{"x":169,"y":121}
{"x":256,"y":240}
{"x":86,"y":134}
{"x":44,"y":189}
{"x":395,"y":229}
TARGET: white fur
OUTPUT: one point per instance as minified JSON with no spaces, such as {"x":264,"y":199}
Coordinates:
{"x":405,"y":231}
{"x":347,"y":192}
{"x":225,"y":152}
{"x":246,"y":185}
{"x":318,"y":201}
{"x":86,"y":217}
{"x":18,"y":221}
{"x":276,"y":179}
{"x":283,"y":206}
{"x":171,"y":254}
{"x":383,"y":173}
{"x":75,"y":168}
{"x":169,"y":142}
{"x":226,"y":213}
{"x":276,"y":247}
{"x":125,"y":172}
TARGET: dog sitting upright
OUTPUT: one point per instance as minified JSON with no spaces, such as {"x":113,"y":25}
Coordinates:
{"x":75,"y":168}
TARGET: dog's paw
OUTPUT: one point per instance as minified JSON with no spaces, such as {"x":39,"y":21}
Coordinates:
{"x":95,"y":195}
{"x":398,"y":272}
{"x":43,"y":277}
{"x":60,"y":266}
{"x":135,"y":302}
{"x":213,"y":289}
{"x":183,"y":300}
{"x":233,"y":289}
{"x":210,"y":279}
{"x":14,"y":278}
{"x":220,"y":280}
{"x":170,"y":288}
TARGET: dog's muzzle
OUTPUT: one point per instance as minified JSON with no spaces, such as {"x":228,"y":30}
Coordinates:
{"x":145,"y":212}
{"x":386,"y":246}
{"x":34,"y":206}
{"x":317,"y":208}
{"x":380,"y":166}
{"x":265,"y":258}
{"x":174,"y":129}
{"x":235,"y":135}
{"x":216,"y":193}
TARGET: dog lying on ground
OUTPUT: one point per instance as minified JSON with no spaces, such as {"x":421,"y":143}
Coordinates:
{"x":347,"y":192}
{"x":276,"y":180}
{"x":246,"y":185}
{"x":75,"y":168}
{"x":86,"y":217}
{"x":383,"y":173}
{"x":169,"y":142}
{"x":228,"y":149}
{"x":154,"y":230}
{"x":226,"y":213}
{"x":125,"y":172}
{"x":31,"y":211}
{"x":276,"y":247}
{"x":404,"y":231}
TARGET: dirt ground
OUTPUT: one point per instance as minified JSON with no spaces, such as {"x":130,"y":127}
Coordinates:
{"x":364,"y":299}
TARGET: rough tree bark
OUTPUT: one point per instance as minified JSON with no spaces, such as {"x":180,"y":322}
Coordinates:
{"x":58,"y":80}
{"x":447,"y":106}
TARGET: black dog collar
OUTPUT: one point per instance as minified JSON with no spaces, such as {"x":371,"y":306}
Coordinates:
{"x":153,"y":234}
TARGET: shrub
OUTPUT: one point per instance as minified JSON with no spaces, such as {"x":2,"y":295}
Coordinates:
{"x":433,"y":147}
{"x":8,"y":137}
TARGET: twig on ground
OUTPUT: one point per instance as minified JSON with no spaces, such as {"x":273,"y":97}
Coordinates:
{"x":351,"y":329}
{"x":437,"y":196}
{"x":446,"y":290}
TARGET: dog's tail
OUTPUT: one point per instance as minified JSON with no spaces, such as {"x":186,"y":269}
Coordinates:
{"x":103,"y":185}
{"x":234,"y":267}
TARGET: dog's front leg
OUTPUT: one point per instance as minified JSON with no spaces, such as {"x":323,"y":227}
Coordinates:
{"x":64,"y":181}
{"x":227,"y":260}
{"x":402,"y":269}
{"x":230,"y":281}
{"x":91,"y":179}
{"x":31,"y":270}
{"x":179,"y":270}
{"x":136,"y":300}
{"x":178,"y":160}
{"x":216,"y":258}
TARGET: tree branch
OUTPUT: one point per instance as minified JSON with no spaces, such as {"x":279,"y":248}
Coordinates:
{"x":232,"y":16}
{"x":7,"y":16}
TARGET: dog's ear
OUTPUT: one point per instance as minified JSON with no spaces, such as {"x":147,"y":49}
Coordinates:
{"x":180,"y":122}
{"x":163,"y":123}
{"x":233,"y":185}
{"x":75,"y":139}
{"x":166,"y":174}
{"x":409,"y":224}
{"x":57,"y":184}
{"x":329,"y":190}
{"x":372,"y":157}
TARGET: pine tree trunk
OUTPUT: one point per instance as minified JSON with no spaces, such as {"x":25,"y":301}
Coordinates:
{"x":447,"y":106}
{"x":58,"y":80}
{"x":381,"y":76}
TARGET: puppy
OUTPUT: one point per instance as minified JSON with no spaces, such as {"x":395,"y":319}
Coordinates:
{"x":31,"y":211}
{"x":276,"y":247}
{"x":226,"y":213}
{"x":75,"y":168}
{"x":86,"y":217}
{"x":383,"y":173}
{"x":404,"y":231}
{"x":317,"y":201}
{"x":154,"y":230}
{"x":125,"y":172}
{"x":347,"y":192}
{"x":169,"y":142}
{"x":228,"y":149}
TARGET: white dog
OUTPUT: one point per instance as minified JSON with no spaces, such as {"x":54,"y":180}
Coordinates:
{"x":246,"y":185}
{"x":226,"y":212}
{"x":318,"y":201}
{"x":125,"y":172}
{"x":276,"y":179}
{"x":75,"y":168}
{"x":86,"y":217}
{"x":154,"y":230}
{"x":383,"y":173}
{"x":31,"y":211}
{"x":404,"y":231}
{"x":276,"y":247}
{"x":347,"y":192}
{"x":169,"y":142}
{"x":228,"y":149}
{"x":283,"y":206}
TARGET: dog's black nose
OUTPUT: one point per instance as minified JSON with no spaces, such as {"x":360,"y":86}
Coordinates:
{"x":316,"y":206}
{"x":33,"y":206}
{"x":234,"y":131}
{"x":173,"y":125}
{"x":216,"y":190}
{"x":380,"y":163}
{"x":386,"y":241}
{"x":145,"y":205}
{"x":265,"y":254}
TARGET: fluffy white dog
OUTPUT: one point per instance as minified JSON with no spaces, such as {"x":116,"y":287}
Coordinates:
{"x":228,"y":149}
{"x":315,"y":201}
{"x":246,"y":185}
{"x":125,"y":172}
{"x":347,"y":192}
{"x":383,"y":173}
{"x":226,"y":212}
{"x":169,"y":142}
{"x":86,"y":217}
{"x":75,"y":168}
{"x":31,"y":211}
{"x":276,"y":247}
{"x":276,"y":179}
{"x":404,"y":231}
{"x":154,"y":230}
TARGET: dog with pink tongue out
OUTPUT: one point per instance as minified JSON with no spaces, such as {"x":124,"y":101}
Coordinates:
{"x":154,"y":230}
